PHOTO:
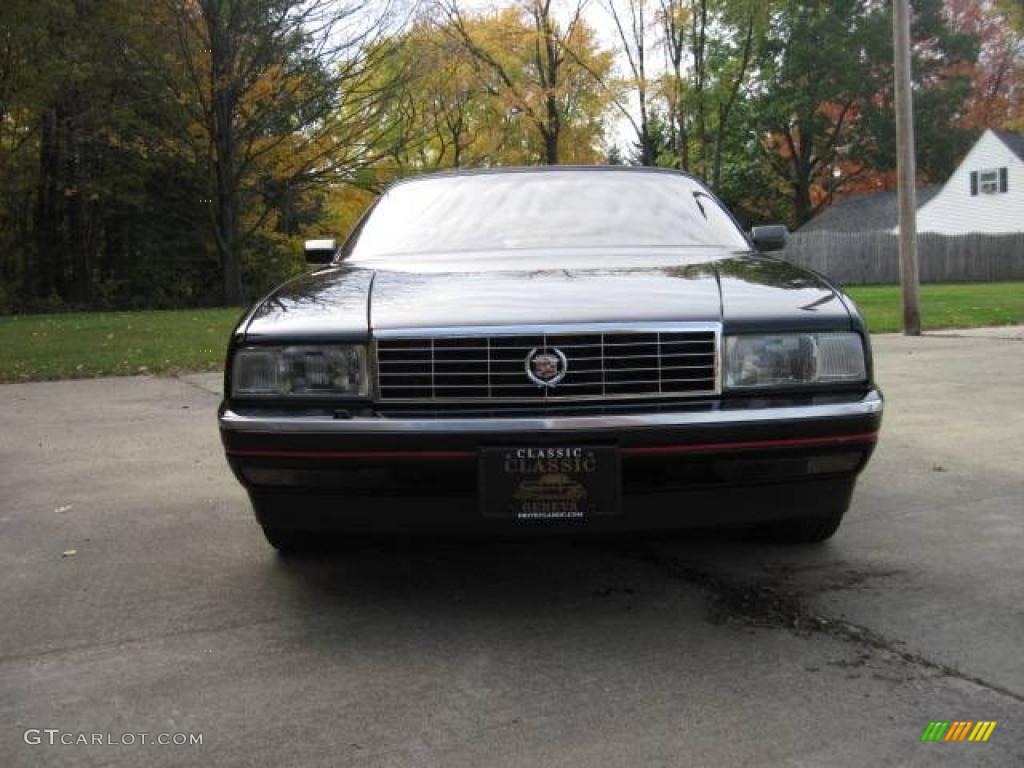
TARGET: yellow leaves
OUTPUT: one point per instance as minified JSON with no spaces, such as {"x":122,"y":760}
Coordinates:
{"x":344,"y":207}
{"x":270,"y":85}
{"x":198,"y":132}
{"x":489,"y":83}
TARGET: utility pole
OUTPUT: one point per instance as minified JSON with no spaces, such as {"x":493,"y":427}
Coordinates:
{"x":905,"y":169}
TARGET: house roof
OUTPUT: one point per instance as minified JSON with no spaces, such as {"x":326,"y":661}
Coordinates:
{"x":878,"y":210}
{"x":1015,"y":141}
{"x":865,"y":212}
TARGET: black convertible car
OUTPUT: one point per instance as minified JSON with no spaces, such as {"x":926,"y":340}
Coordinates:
{"x":550,"y":349}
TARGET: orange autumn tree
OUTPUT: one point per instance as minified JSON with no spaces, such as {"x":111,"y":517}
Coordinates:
{"x":997,"y":77}
{"x":545,"y":74}
{"x":824,"y":106}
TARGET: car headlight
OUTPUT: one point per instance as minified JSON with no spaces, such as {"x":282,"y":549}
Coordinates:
{"x":306,"y":371}
{"x":793,"y":359}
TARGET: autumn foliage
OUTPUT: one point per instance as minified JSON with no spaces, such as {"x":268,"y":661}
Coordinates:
{"x":176,"y":152}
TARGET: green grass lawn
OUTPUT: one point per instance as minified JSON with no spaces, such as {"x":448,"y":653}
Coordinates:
{"x":37,"y":347}
{"x":945,"y":305}
{"x":78,"y":345}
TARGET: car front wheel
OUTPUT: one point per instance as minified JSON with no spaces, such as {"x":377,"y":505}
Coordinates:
{"x":292,"y":543}
{"x":803,"y":530}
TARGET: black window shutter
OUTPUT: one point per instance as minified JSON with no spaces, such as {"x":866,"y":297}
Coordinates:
{"x":974,"y":183}
{"x":1004,"y":180}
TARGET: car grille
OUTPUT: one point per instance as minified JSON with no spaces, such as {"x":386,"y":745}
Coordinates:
{"x":605,"y":364}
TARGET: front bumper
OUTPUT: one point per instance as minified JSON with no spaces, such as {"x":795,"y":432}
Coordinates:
{"x":691,"y":464}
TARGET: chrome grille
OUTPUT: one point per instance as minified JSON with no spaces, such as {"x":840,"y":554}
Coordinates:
{"x":638,"y":362}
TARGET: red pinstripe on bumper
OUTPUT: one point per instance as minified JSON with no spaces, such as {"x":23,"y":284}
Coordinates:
{"x":652,"y":450}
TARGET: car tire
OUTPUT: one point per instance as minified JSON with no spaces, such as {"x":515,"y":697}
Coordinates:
{"x":288,"y":541}
{"x":291,"y":543}
{"x":803,"y":530}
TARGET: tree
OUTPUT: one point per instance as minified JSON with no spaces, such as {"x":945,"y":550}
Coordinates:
{"x":711,"y":47}
{"x":70,"y":158}
{"x":445,"y":114}
{"x":824,"y":106}
{"x":545,"y":72}
{"x":174,"y":153}
{"x":632,"y":25}
{"x":658,"y":149}
{"x":271,"y":91}
{"x":614,"y":156}
{"x":168,"y":153}
{"x":62,"y":137}
{"x":997,"y":78}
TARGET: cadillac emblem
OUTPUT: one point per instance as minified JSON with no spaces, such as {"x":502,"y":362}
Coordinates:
{"x":546,"y":366}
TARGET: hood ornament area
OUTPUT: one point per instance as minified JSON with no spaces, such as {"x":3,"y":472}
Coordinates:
{"x":546,"y":366}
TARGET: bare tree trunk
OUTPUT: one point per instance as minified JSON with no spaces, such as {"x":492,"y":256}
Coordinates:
{"x":647,"y":155}
{"x":549,"y":68}
{"x":77,"y":240}
{"x":227,"y":213}
{"x":228,"y":248}
{"x":551,"y":132}
{"x":801,"y":149}
{"x":634,"y":43}
{"x":44,"y":271}
{"x":675,"y":42}
{"x":684,"y":155}
{"x":699,"y":43}
{"x":802,"y":199}
{"x":640,"y":33}
{"x":725,"y":110}
{"x":225,"y":139}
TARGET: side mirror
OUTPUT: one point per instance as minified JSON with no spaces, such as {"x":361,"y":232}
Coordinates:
{"x":321,"y":251}
{"x":771,"y":237}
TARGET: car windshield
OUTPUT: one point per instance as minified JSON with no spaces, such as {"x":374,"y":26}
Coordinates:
{"x":545,"y":210}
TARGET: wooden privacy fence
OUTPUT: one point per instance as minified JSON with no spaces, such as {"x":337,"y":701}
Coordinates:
{"x":873,"y":257}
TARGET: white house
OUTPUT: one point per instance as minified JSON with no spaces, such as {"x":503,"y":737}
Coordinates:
{"x":986,"y":192}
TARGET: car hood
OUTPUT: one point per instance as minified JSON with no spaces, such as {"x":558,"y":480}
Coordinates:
{"x":329,"y":303}
{"x":584,"y":288}
{"x":745,"y":291}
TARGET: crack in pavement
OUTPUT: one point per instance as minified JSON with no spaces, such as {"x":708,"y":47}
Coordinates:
{"x":772,"y":606}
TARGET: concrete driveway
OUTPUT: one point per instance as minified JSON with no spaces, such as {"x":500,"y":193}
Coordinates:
{"x":137,"y":595}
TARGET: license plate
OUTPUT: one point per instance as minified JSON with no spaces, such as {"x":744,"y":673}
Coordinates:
{"x":549,"y":483}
